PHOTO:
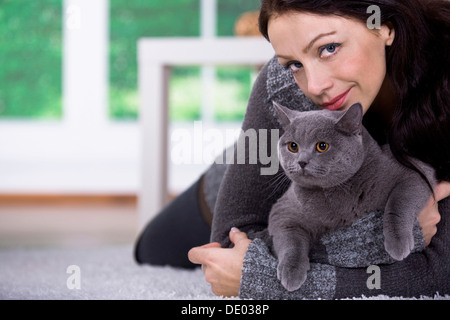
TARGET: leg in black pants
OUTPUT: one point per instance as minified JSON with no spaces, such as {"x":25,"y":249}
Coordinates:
{"x":167,"y":239}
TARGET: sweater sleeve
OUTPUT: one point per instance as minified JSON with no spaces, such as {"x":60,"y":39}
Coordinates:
{"x":422,"y":273}
{"x":247,"y":193}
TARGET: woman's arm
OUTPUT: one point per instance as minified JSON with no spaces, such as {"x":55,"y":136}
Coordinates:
{"x":247,"y":193}
{"x":241,"y":202}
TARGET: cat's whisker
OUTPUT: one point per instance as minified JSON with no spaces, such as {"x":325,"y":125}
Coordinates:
{"x":279,"y":182}
{"x":276,"y":177}
{"x":282,"y":186}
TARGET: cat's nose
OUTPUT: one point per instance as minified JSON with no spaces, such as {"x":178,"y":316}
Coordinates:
{"x":302,"y":164}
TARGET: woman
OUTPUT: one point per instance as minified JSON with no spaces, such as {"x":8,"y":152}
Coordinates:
{"x":399,"y":73}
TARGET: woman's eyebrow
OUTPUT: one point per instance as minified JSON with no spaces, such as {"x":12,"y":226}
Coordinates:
{"x":283,"y":57}
{"x":309,"y":46}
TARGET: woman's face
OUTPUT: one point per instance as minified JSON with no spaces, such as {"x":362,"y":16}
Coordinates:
{"x":336,"y":61}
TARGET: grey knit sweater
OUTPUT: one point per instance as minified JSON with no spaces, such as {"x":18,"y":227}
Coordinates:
{"x":348,"y":262}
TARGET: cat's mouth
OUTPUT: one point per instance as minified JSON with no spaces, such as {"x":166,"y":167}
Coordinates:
{"x":304,"y":172}
{"x":307,"y":172}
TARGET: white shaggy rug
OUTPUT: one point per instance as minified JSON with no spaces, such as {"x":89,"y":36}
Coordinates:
{"x":103,"y":273}
{"x":99,"y":273}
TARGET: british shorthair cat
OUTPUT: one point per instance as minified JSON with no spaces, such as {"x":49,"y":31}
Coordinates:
{"x":339,"y":174}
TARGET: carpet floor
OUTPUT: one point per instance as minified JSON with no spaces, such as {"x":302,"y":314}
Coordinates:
{"x":99,"y":273}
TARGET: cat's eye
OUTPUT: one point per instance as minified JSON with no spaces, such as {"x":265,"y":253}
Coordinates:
{"x":322,"y":146}
{"x":293,"y":147}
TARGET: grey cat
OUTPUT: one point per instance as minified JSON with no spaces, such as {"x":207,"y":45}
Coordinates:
{"x":339,"y":174}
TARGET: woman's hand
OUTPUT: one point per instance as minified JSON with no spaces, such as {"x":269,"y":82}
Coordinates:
{"x":429,"y":217}
{"x":222,"y":266}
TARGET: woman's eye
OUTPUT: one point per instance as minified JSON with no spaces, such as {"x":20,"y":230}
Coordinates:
{"x":328,"y":50}
{"x":322,"y":146}
{"x":293,"y":147}
{"x":294,"y":66}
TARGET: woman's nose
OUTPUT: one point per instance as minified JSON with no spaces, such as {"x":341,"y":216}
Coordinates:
{"x":318,"y":81}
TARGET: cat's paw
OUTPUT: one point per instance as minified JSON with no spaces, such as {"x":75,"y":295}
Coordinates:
{"x":399,"y":246}
{"x":292,"y":274}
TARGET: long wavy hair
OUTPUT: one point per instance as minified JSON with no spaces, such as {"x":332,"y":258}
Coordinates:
{"x":418,"y":66}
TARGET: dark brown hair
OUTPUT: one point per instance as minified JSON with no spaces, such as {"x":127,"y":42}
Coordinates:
{"x":417,"y":65}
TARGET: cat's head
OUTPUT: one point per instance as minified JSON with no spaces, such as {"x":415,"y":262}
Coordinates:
{"x":321,"y":148}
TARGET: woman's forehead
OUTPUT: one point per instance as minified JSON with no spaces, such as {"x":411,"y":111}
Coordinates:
{"x":302,"y":29}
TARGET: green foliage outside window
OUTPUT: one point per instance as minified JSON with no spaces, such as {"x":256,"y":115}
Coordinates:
{"x":131,"y":20}
{"x":30,"y":59}
{"x":134,"y":19}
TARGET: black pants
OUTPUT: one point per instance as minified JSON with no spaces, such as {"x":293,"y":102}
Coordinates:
{"x":179,"y":227}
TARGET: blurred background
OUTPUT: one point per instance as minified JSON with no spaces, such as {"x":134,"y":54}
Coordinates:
{"x":69,"y":136}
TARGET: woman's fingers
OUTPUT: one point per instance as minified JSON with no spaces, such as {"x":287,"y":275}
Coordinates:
{"x":442,"y":190}
{"x":211,"y":245}
{"x":239,"y":238}
{"x":198,"y":255}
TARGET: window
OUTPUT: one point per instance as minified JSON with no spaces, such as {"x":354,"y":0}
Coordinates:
{"x":130,"y":20}
{"x":73,"y":62}
{"x":31,"y":55}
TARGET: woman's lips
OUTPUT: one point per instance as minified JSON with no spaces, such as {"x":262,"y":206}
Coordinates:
{"x":336,"y":102}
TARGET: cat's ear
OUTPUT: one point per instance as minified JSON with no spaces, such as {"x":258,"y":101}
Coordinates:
{"x":284,"y":114}
{"x":351,"y":121}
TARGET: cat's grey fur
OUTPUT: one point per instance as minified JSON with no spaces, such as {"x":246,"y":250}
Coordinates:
{"x":354,"y":177}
